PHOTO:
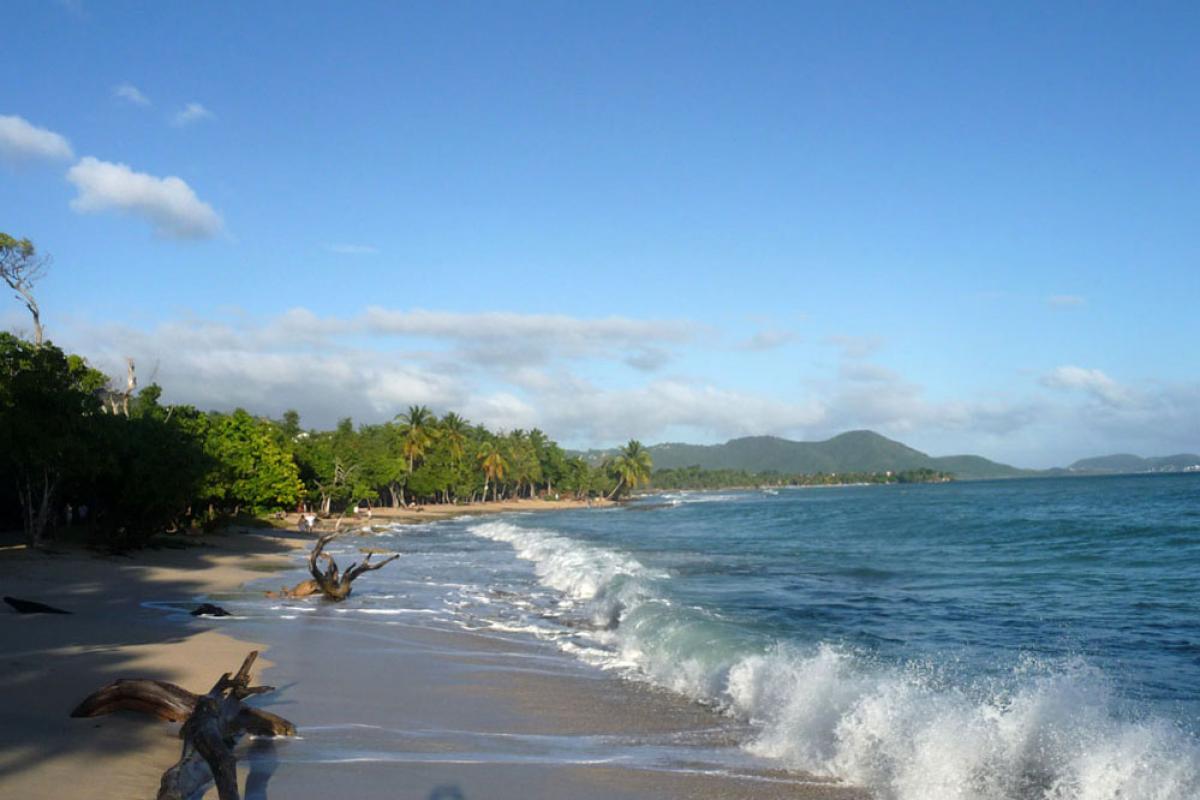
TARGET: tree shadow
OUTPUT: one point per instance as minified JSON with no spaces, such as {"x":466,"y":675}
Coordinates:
{"x":48,"y":663}
{"x":263,"y":762}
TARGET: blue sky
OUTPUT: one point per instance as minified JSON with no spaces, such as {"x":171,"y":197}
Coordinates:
{"x":971,"y":227}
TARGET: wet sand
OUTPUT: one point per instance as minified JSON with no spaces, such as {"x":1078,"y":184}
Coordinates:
{"x":455,"y":714}
{"x":480,"y":717}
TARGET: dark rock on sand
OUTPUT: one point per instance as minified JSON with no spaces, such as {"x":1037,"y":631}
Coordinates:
{"x":209,"y":610}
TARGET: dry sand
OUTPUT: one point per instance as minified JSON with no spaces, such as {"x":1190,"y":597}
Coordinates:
{"x":431,"y":681}
{"x":51,"y":662}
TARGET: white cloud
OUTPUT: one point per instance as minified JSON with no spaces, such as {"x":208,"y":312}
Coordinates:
{"x":581,"y":411}
{"x":855,"y":346}
{"x":192,"y":112}
{"x":20,"y":141}
{"x":872,"y":396}
{"x":332,"y":367}
{"x":168,"y":204}
{"x":130,"y":94}
{"x":647,"y":359}
{"x":506,"y":324}
{"x":221,"y":366}
{"x":504,"y":339}
{"x":1066,"y":300}
{"x":766,"y":340}
{"x":1091,"y":381}
{"x":352,"y":249}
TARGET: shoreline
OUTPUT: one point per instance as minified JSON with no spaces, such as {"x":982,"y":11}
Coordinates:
{"x":437,"y":687}
{"x":54,"y":661}
{"x":436,"y":512}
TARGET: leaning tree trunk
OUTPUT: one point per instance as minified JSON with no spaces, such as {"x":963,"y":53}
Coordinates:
{"x":37,"y":505}
{"x":212,"y":723}
{"x":617,"y":488}
{"x":330,"y":582}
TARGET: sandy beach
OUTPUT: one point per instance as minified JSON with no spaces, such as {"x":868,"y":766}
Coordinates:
{"x":51,"y":662}
{"x":467,"y":716}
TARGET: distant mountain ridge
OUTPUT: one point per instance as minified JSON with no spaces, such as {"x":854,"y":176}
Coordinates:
{"x":1125,"y":463}
{"x":855,"y":451}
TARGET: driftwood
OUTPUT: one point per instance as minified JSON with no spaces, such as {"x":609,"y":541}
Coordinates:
{"x":330,"y":582}
{"x":212,"y":724}
{"x":32,"y":607}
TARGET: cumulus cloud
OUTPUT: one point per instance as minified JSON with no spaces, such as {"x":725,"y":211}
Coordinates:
{"x":189,"y":114}
{"x":168,"y":204}
{"x":130,"y":94}
{"x":868,"y":395}
{"x":1091,"y":381}
{"x":21,"y":140}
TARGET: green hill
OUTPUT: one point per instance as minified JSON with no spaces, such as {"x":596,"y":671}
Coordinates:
{"x":1126,"y":463}
{"x":855,"y":451}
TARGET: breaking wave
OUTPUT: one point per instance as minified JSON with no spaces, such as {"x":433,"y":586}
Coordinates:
{"x":1045,"y":731}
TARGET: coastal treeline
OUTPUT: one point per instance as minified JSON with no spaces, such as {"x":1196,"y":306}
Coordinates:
{"x":75,"y":450}
{"x":697,"y":478}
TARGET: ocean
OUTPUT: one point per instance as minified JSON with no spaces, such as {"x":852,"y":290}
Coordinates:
{"x":994,"y":640}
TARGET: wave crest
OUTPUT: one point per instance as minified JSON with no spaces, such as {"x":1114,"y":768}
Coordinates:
{"x":1044,"y":732}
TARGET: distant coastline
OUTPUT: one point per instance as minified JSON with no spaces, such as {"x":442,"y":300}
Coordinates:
{"x":869,"y":453}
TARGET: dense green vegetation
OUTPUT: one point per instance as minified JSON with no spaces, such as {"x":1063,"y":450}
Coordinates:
{"x":695,"y":477}
{"x":127,"y":466}
{"x":855,"y":451}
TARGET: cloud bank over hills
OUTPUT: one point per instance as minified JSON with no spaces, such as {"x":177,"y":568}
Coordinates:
{"x":513,"y":370}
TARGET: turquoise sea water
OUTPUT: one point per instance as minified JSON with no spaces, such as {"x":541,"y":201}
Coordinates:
{"x":990,"y":640}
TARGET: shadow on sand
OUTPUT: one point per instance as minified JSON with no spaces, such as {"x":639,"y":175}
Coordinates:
{"x":48,"y":663}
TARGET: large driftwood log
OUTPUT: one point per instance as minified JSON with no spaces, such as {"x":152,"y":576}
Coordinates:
{"x":212,"y":724}
{"x":330,"y":582}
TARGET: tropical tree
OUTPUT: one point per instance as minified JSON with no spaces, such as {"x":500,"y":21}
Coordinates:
{"x":416,"y":433}
{"x":495,"y":467}
{"x":453,"y":432}
{"x":252,"y":471}
{"x":631,"y":468}
{"x":46,"y":401}
{"x":21,"y":266}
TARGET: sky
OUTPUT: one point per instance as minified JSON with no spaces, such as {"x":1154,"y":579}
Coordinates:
{"x":972,"y":227}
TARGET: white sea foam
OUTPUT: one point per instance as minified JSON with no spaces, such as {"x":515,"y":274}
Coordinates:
{"x":685,"y":498}
{"x":603,"y":580}
{"x":1046,"y":732}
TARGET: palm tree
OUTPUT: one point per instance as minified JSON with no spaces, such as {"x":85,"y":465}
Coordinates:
{"x":491,"y":460}
{"x":524,"y":467}
{"x":416,"y":433}
{"x":540,"y":444}
{"x":631,"y":467}
{"x":453,"y":431}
